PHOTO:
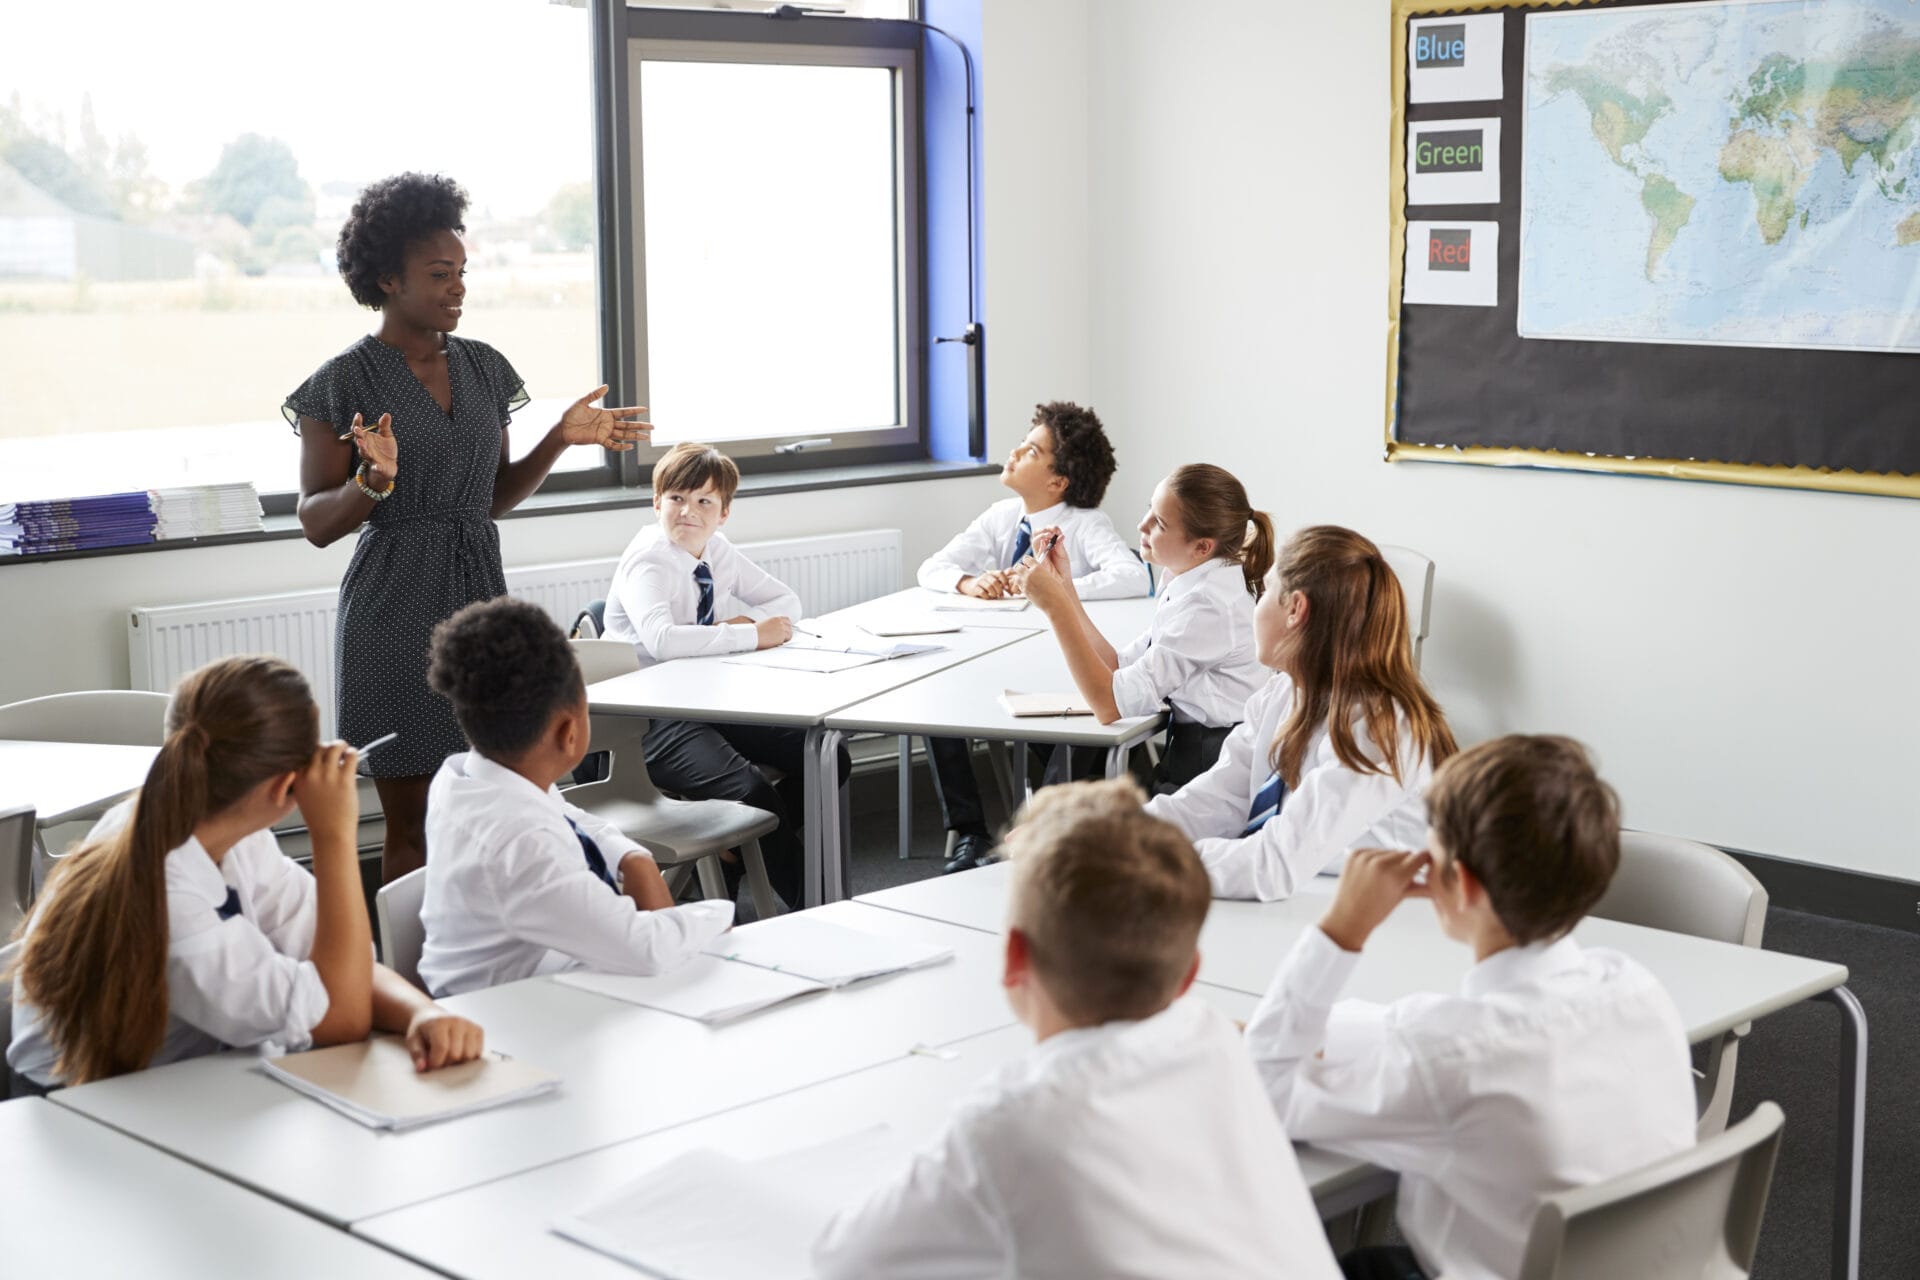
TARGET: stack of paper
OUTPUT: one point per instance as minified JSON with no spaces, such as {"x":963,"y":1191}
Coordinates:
{"x":973,"y":604}
{"x":825,"y":953}
{"x":74,"y":524}
{"x":1043,"y":704}
{"x":683,"y":1220}
{"x":373,"y":1081}
{"x":708,"y":990}
{"x":205,"y":511}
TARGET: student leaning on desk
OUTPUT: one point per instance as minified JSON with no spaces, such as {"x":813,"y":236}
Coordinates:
{"x":1133,"y":1139}
{"x":178,"y":928}
{"x":682,"y":590}
{"x":1336,"y":749}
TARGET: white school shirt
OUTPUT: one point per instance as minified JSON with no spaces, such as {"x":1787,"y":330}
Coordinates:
{"x":1103,"y":566}
{"x":1199,"y":652}
{"x":1133,"y":1149}
{"x":242,"y":981}
{"x":509,"y":893}
{"x":1555,"y":1067}
{"x":654,"y":602}
{"x":1332,"y":811}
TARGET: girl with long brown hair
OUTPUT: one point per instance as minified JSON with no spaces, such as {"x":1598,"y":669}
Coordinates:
{"x":1336,"y":749}
{"x":1213,"y":550}
{"x":178,"y":927}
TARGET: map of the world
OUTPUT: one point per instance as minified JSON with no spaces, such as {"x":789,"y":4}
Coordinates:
{"x":1743,"y":172}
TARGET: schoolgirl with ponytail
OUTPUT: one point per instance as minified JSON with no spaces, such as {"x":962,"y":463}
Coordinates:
{"x":1337,"y":747}
{"x":1213,"y":550}
{"x":178,"y":928}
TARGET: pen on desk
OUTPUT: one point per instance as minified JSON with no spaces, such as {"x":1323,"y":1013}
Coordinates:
{"x":804,"y":632}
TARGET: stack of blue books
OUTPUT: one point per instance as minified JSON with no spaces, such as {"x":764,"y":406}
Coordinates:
{"x":75,"y":524}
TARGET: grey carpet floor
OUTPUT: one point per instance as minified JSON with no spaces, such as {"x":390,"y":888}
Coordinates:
{"x":1789,"y":1058}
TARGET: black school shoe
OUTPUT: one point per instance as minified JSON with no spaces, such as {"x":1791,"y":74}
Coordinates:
{"x":972,"y":849}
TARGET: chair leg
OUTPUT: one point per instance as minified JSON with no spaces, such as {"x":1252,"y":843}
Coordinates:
{"x":1002,"y":755}
{"x":766,"y":903}
{"x":713,"y":878}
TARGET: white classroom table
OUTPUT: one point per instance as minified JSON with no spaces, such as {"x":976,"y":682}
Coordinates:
{"x":67,"y":781}
{"x":501,"y":1229}
{"x":1717,"y":986}
{"x":627,"y":1071}
{"x":81,"y":1200}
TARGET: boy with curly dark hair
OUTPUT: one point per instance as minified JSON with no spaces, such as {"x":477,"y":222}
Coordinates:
{"x":1059,"y":474}
{"x":412,"y":388}
{"x":521,"y":882}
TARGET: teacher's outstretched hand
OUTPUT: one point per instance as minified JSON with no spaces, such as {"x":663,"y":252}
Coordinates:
{"x":616,"y":429}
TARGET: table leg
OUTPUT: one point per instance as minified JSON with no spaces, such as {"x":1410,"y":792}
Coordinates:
{"x":1850,"y":1135}
{"x":1116,"y":761}
{"x":906,"y":795}
{"x":812,"y":869}
{"x":826,"y":843}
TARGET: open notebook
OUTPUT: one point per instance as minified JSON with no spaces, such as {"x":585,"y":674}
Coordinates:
{"x":825,"y":953}
{"x":373,"y":1081}
{"x":1043,"y":704}
{"x":685,"y":1220}
{"x":832,"y":639}
{"x":709,"y":989}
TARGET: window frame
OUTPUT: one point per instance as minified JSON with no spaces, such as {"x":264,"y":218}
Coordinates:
{"x":625,"y":37}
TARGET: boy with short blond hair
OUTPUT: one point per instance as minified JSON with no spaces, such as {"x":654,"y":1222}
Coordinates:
{"x":1554,"y":1067}
{"x":1133,"y":1140}
{"x":683,"y":591}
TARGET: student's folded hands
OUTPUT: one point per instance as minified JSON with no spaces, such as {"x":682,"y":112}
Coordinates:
{"x":436,"y":1038}
{"x":991,"y":585}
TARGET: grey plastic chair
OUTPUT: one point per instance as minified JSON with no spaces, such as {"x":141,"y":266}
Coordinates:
{"x":1683,"y":886}
{"x":1692,"y":1216}
{"x":16,"y":868}
{"x":396,"y":914}
{"x":676,"y":832}
{"x":8,"y":954}
{"x":1415,"y":572}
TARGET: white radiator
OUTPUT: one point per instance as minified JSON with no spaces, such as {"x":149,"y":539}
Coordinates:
{"x":165,"y":642}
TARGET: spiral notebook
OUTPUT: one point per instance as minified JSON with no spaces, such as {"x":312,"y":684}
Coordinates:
{"x":373,"y":1082}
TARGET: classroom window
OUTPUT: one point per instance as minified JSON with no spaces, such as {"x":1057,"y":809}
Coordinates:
{"x":775,"y":304}
{"x":167,"y":235}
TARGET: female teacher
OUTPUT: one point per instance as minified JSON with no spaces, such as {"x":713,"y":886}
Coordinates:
{"x":403,"y":436}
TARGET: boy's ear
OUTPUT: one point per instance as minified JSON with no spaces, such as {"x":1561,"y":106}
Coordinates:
{"x":1018,"y":966}
{"x":1057,"y":483}
{"x":725,"y":511}
{"x":1193,"y":971}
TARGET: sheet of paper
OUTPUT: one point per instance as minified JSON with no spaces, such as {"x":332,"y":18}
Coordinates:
{"x":973,"y":604}
{"x":1455,"y":264}
{"x":824,"y":952}
{"x":683,"y":1221}
{"x":1453,"y":161}
{"x":708,"y":989}
{"x":788,"y":658}
{"x":373,"y":1081}
{"x":1455,"y":59}
{"x":909,"y":626}
{"x":1043,"y":704}
{"x":813,"y":634}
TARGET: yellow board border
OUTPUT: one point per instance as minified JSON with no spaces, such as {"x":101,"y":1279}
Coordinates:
{"x":1819,"y":478}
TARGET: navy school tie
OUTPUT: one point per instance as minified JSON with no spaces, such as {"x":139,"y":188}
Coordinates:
{"x":595,"y":863}
{"x":1265,"y":804}
{"x":231,"y":907}
{"x":703,"y":576}
{"x":1022,"y":541}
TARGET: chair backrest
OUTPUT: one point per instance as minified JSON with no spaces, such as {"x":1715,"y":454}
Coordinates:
{"x":8,"y":954}
{"x":604,"y":659}
{"x":1415,"y":572}
{"x":1692,"y":1216}
{"x":111,"y":717}
{"x":1683,"y":886}
{"x":16,"y":868}
{"x":396,"y":912}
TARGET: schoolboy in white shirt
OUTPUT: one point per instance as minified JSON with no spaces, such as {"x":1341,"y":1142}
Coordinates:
{"x":1059,"y":475}
{"x":1555,"y":1066}
{"x":519,"y":882}
{"x":1133,"y":1141}
{"x":682,"y":591}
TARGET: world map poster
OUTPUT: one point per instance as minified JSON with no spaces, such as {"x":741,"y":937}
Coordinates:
{"x":1745,"y":172}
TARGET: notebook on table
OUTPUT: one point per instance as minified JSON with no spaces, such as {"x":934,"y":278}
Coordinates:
{"x":1022,"y":705}
{"x":373,"y":1082}
{"x":708,"y":989}
{"x":830,"y":954}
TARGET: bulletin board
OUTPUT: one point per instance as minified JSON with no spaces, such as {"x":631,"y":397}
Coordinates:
{"x":1677,"y":239}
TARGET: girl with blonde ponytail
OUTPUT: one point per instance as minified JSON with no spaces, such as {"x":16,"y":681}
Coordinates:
{"x":178,"y":928}
{"x":1213,"y":550}
{"x":1337,"y":748}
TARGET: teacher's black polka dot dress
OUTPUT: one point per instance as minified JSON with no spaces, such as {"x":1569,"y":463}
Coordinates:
{"x":425,"y":552}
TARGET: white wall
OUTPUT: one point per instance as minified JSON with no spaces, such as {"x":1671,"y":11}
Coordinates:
{"x":1738,"y":657}
{"x":66,"y":621}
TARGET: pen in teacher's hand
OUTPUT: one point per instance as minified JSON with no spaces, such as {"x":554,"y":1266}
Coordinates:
{"x":380,"y":741}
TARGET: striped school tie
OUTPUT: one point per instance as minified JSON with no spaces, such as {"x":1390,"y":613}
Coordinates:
{"x":231,"y":907}
{"x":1266,"y":804}
{"x":1021,"y":544}
{"x":595,"y":863}
{"x":704,"y":576}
